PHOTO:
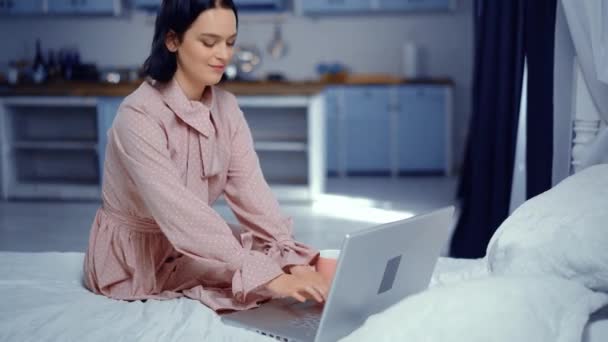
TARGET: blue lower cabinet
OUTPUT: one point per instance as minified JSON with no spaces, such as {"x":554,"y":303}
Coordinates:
{"x":332,"y":131}
{"x":366,"y":129}
{"x":107,"y":108}
{"x":422,"y":129}
{"x":368,"y":146}
{"x":371,"y":133}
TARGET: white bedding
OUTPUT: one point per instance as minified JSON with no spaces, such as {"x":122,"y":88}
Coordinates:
{"x":493,"y":308}
{"x":43,"y":300}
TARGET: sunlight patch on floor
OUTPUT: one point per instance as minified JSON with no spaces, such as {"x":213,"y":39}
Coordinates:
{"x":357,"y":209}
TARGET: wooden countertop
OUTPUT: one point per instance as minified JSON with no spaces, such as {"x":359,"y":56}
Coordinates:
{"x":94,"y":89}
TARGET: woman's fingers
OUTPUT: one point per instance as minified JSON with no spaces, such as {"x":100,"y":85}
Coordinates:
{"x":318,"y":288}
{"x":316,"y":293}
{"x":323,"y":287}
{"x":297,"y":296}
{"x":313,"y":293}
{"x":324,"y":292}
{"x":320,"y":284}
{"x":305,"y":286}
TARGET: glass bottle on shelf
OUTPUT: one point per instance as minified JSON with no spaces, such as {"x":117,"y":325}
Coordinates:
{"x":39,"y":71}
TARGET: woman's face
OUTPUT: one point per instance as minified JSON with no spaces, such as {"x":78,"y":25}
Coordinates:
{"x":206,"y":47}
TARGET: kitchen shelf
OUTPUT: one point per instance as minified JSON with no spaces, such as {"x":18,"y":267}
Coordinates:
{"x":285,"y":167}
{"x":56,"y":166}
{"x":63,"y":191}
{"x":49,"y":148}
{"x":55,"y":145}
{"x":271,"y":123}
{"x":43,"y":101}
{"x":50,"y":122}
{"x":281,"y":146}
{"x":288,"y":134}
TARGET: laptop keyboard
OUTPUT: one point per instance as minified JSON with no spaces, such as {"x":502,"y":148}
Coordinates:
{"x":307,"y":321}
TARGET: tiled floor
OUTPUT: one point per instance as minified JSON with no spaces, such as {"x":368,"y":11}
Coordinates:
{"x":350,"y":204}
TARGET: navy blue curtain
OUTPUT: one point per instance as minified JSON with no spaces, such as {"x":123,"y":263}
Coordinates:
{"x":504,"y":34}
{"x":540,"y":46}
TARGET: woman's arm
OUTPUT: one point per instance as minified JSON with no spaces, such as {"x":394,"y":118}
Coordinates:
{"x":255,"y":206}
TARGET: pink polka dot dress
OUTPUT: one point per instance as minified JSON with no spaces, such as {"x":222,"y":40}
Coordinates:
{"x":168,"y":159}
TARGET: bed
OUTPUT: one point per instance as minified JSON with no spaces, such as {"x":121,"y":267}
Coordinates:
{"x":544,"y":278}
{"x":43,"y":300}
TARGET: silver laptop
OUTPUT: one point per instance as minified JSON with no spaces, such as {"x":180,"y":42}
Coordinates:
{"x":377,"y":267}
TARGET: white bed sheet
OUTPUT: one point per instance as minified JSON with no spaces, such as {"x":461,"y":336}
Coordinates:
{"x":42,"y":299}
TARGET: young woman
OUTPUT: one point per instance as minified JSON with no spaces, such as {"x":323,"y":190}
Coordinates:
{"x":177,"y":144}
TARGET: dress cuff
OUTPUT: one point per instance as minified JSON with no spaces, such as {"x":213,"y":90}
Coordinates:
{"x":287,"y":252}
{"x":256,"y":270}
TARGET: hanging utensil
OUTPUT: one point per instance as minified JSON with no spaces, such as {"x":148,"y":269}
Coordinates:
{"x":277,"y":48}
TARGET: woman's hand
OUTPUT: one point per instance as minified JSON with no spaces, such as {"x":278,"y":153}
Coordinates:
{"x":308,"y":273}
{"x":297,"y":287}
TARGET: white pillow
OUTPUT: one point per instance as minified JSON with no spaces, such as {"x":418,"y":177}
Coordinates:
{"x":498,"y":309}
{"x":450,"y":270}
{"x":562,"y":232}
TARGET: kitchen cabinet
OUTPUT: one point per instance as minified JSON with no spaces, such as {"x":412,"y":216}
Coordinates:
{"x":147,"y":3}
{"x":366,"y":128}
{"x":242,"y":5}
{"x":289,"y":137}
{"x":382,"y":130}
{"x":422,"y":128}
{"x":334,"y":6}
{"x":259,"y":4}
{"x":49,"y":148}
{"x":414,"y":5}
{"x":93,"y":7}
{"x":55,"y":146}
{"x":329,"y":7}
{"x":21,"y":6}
{"x":107,"y":107}
{"x":334,"y":147}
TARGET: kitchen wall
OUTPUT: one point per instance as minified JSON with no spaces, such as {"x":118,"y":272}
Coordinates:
{"x":364,"y":43}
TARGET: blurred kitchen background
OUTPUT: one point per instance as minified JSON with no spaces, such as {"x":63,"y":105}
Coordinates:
{"x":359,"y":108}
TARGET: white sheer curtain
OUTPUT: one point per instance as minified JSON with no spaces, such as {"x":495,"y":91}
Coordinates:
{"x":597,"y":11}
{"x":588,"y":24}
{"x":581,"y":33}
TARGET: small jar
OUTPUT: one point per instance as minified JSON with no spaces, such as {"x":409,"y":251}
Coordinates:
{"x":12,"y":74}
